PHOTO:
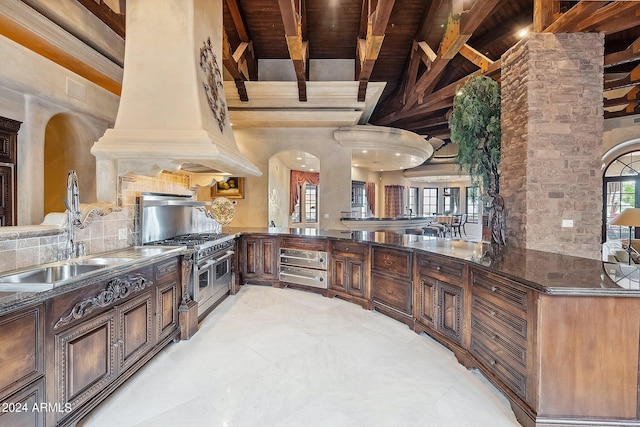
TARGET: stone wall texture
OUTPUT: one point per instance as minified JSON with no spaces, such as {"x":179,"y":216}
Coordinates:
{"x":552,"y":129}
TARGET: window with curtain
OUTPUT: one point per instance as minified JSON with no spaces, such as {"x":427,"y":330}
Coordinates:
{"x":429,"y":201}
{"x":393,"y":200}
{"x":298,"y":179}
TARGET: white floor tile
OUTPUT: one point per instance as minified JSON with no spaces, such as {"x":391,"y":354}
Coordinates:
{"x":285,"y":358}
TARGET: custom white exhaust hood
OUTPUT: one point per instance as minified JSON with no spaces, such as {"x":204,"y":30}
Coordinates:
{"x":173,"y":112}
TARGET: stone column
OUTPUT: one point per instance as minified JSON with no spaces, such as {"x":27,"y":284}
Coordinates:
{"x":552,"y":126}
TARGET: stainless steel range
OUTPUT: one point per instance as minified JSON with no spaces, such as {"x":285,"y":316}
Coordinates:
{"x":168,"y":220}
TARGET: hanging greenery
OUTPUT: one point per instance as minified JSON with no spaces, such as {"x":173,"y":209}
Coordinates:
{"x":475,"y":127}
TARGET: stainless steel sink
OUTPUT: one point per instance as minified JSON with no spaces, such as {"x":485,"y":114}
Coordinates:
{"x":44,"y":277}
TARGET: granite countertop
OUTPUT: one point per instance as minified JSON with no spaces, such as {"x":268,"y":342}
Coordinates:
{"x":133,"y":258}
{"x":545,"y":272}
{"x":400,"y":218}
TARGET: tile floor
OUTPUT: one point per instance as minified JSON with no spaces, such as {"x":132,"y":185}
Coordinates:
{"x":282,"y":357}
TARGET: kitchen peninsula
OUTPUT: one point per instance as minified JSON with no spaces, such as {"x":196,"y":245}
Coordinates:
{"x":397,"y":224}
{"x":534,"y":323}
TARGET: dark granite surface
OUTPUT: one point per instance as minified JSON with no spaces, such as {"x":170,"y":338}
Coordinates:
{"x":545,"y":272}
{"x":11,"y":301}
{"x":400,"y":218}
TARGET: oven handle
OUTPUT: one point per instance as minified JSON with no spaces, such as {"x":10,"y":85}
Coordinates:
{"x":225,"y":256}
{"x":207,"y":264}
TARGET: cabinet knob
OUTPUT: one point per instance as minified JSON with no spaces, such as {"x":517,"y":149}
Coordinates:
{"x":493,"y":313}
{"x":494,"y":288}
{"x":494,"y":337}
{"x":347,"y":249}
{"x":321,"y":260}
{"x":493,"y":362}
{"x":438,"y":268}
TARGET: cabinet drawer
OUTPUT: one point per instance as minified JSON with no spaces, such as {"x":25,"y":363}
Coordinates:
{"x":491,"y":312}
{"x":434,"y":265}
{"x":317,"y":244}
{"x":392,"y":261}
{"x":514,"y":378}
{"x":498,"y":342}
{"x":506,"y":293}
{"x":166,"y":270}
{"x":392,"y":292}
{"x":349,"y":247}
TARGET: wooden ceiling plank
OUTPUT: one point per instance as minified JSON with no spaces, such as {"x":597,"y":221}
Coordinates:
{"x":631,"y":53}
{"x":298,"y":49}
{"x":571,"y":19}
{"x":469,"y":22}
{"x":429,"y":24}
{"x":238,"y":20}
{"x":544,"y":12}
{"x":629,"y":80}
{"x":115,"y":21}
{"x":412,"y":70}
{"x":476,"y":57}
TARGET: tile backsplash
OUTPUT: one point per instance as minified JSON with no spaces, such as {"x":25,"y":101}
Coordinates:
{"x":32,"y":245}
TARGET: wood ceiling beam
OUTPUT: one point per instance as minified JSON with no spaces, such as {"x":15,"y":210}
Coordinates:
{"x":469,"y":22}
{"x":421,"y":52}
{"x":239,"y":64}
{"x":476,"y":57}
{"x":238,"y":20}
{"x":612,"y":18}
{"x":622,"y":113}
{"x":298,"y":48}
{"x":368,"y":48}
{"x":115,"y":21}
{"x":442,"y":98}
{"x":544,"y":13}
{"x":631,"y":53}
{"x":569,"y":21}
{"x":630,"y":98}
{"x":631,"y":78}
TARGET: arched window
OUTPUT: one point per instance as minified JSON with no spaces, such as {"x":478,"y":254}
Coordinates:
{"x":621,"y":190}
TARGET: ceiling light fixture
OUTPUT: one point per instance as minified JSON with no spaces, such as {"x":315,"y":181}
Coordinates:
{"x":364,"y":151}
{"x":523,"y":33}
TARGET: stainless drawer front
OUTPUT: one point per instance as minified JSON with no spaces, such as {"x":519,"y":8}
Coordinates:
{"x":312,"y":259}
{"x":304,"y":276}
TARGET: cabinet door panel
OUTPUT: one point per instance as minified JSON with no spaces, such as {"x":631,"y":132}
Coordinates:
{"x":427,"y":301}
{"x":357,"y":278}
{"x":251,"y":256}
{"x":338,"y":274}
{"x":167,"y":309}
{"x":85,"y":357}
{"x":135,"y":329}
{"x":450,"y":306}
{"x":269,"y":258}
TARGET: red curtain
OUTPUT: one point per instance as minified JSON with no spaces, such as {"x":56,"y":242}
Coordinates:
{"x":297,"y":179}
{"x":393,"y":200}
{"x":370,"y":190}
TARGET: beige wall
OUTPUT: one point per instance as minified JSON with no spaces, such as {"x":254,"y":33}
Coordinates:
{"x":259,"y":144}
{"x":278,"y":197}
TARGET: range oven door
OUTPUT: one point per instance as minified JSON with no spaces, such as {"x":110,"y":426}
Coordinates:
{"x":222,"y":274}
{"x":203,"y":289}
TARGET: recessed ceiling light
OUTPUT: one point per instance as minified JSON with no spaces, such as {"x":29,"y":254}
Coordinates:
{"x":397,"y":154}
{"x":298,"y":158}
{"x":355,"y":164}
{"x":303,"y":166}
{"x":364,"y":151}
{"x":523,"y":33}
{"x":311,"y":169}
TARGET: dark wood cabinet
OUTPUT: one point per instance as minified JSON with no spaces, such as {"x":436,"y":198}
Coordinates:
{"x":22,"y":367}
{"x":103,"y":332}
{"x":392,"y":284}
{"x":259,"y":259}
{"x":8,"y":174}
{"x":439,"y":300}
{"x":349,"y":277}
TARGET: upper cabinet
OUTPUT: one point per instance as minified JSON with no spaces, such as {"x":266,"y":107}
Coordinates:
{"x":8,"y":178}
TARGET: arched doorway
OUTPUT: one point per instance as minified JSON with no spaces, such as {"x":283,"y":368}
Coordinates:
{"x":303,"y":212}
{"x":67,"y":145}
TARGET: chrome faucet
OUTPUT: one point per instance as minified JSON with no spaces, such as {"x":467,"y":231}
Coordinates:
{"x":72,"y":202}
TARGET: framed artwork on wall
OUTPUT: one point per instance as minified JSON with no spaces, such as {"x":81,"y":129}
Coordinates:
{"x":233,"y":188}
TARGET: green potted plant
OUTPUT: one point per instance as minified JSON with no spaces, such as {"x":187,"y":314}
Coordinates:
{"x":475,"y":127}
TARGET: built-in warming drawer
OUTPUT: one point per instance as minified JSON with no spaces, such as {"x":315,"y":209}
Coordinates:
{"x":303,"y":276}
{"x":303,"y":258}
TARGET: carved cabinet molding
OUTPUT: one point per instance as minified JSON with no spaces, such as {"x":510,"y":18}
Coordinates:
{"x":8,"y":170}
